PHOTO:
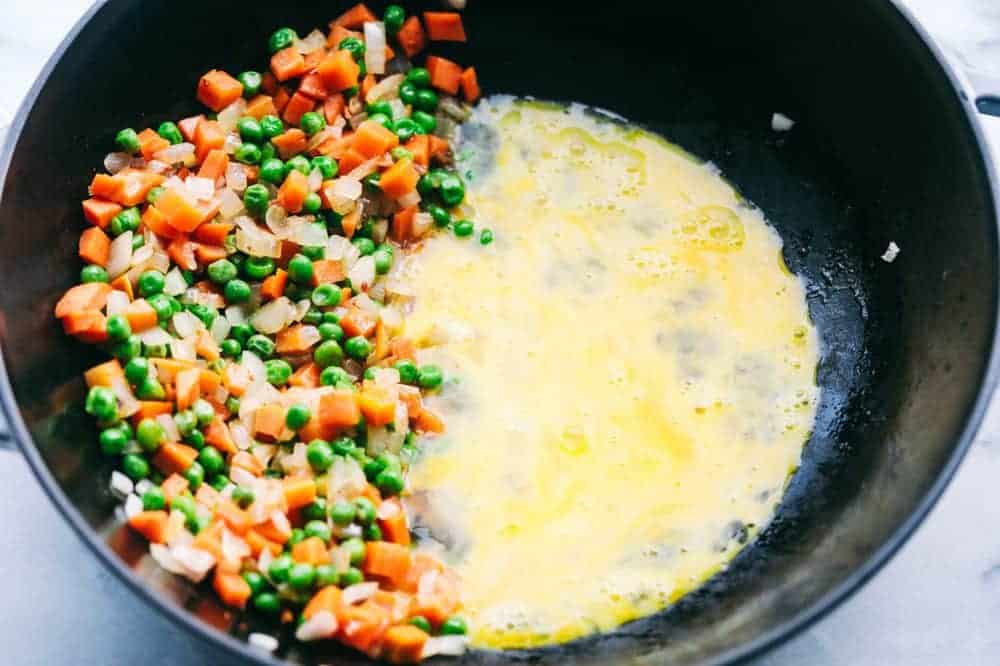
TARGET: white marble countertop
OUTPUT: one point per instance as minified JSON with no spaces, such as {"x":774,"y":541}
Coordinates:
{"x":936,"y":602}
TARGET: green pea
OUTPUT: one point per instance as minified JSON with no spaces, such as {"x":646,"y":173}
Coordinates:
{"x":297,"y":417}
{"x":426,"y":121}
{"x":137,"y":370}
{"x":365,"y":246}
{"x":298,"y":163}
{"x":334,"y":376}
{"x":118,"y":328}
{"x":127,"y":349}
{"x":267,"y":602}
{"x":314,"y":252}
{"x":420,"y":622}
{"x":261,"y":345}
{"x":325,"y":296}
{"x":452,"y":190}
{"x":256,"y":581}
{"x":236,"y":291}
{"x":161,"y":304}
{"x":331,"y":317}
{"x":408,"y":92}
{"x":195,"y":475}
{"x":405,"y":128}
{"x":427,"y":100}
{"x":250,"y":129}
{"x":151,"y":283}
{"x":221,"y":271}
{"x":354,"y":45}
{"x":419,"y":77}
{"x":128,"y":140}
{"x":121,"y":223}
{"x":407,"y":369}
{"x":150,"y":389}
{"x":251,"y":82}
{"x":248,"y":153}
{"x":281,"y":39}
{"x":135,"y":466}
{"x":328,"y":353}
{"x":232,"y":404}
{"x":230,"y":347}
{"x":94,"y":273}
{"x":204,"y":313}
{"x":272,"y":171}
{"x":454,"y":626}
{"x":311,"y":204}
{"x":170,"y":132}
{"x":326,"y":165}
{"x":271,"y":126}
{"x":383,"y":262}
{"x":137,"y":241}
{"x":203,"y":411}
{"x":342,"y":513}
{"x":485,"y":237}
{"x":300,"y":269}
{"x":399,"y":153}
{"x":369,"y":373}
{"x":278,"y":371}
{"x":464,"y":228}
{"x":371,"y":533}
{"x":186,"y":422}
{"x":258,"y":268}
{"x":268,"y":152}
{"x":430,"y":377}
{"x":256,"y":198}
{"x":311,"y":123}
{"x":381,"y":106}
{"x":394,"y":17}
{"x":153,"y":499}
{"x":430,"y":182}
{"x":219,"y":482}
{"x":298,"y":536}
{"x":440,"y":215}
{"x":326,"y":574}
{"x":318,"y":528}
{"x":355,"y":548}
{"x":315,"y":510}
{"x":350,"y":576}
{"x":154,"y":194}
{"x":331,"y":331}
{"x":211,"y":460}
{"x":113,"y":441}
{"x":149,"y":434}
{"x":154,"y":351}
{"x":101,"y":403}
{"x":390,"y":482}
{"x":243,"y":496}
{"x":280,"y":567}
{"x":358,"y":347}
{"x":365,"y":511}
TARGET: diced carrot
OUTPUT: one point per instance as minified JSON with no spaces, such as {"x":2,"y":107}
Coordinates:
{"x":470,"y":85}
{"x":444,"y":26}
{"x":83,"y":297}
{"x":439,"y":147}
{"x":363,"y":626}
{"x":306,"y":376}
{"x":95,"y":246}
{"x":188,"y":383}
{"x":105,"y":187}
{"x":236,"y":379}
{"x":333,"y":106}
{"x":260,"y":106}
{"x":357,"y":322}
{"x":154,"y":220}
{"x":311,"y":551}
{"x":412,"y":37}
{"x":312,"y":59}
{"x":389,"y":53}
{"x":89,"y":326}
{"x":128,"y":187}
{"x":445,"y":75}
{"x":419,"y":146}
{"x":189,"y":127}
{"x":208,"y":136}
{"x":288,"y":64}
{"x":122,"y":283}
{"x":180,"y":212}
{"x":377,"y":405}
{"x":293,"y":341}
{"x":151,"y":143}
{"x":258,"y":543}
{"x":299,"y":491}
{"x":268,"y":84}
{"x":367,"y":84}
{"x":151,"y":524}
{"x":327,"y":599}
{"x":292,"y":193}
{"x":217,"y":435}
{"x":274,"y":285}
{"x":328,"y":271}
{"x":105,"y":374}
{"x":235,"y":518}
{"x":297,"y":106}
{"x":269,"y":422}
{"x":402,"y":224}
{"x":442,"y":599}
{"x":312,"y":86}
{"x":181,"y":251}
{"x":339,"y":33}
{"x":150,"y":409}
{"x":350,"y":160}
{"x":141,"y":315}
{"x":355,"y":17}
{"x":206,"y":346}
{"x":337,"y":410}
{"x":399,"y":179}
{"x":371,"y":139}
{"x":100,"y":211}
{"x":207,"y":495}
{"x":206,"y":254}
{"x":213,"y":233}
{"x":428,"y":421}
{"x":217,"y":90}
{"x":290,"y":143}
{"x":215,"y":164}
{"x":232,"y":589}
{"x":174,"y":458}
{"x":402,"y":347}
{"x":338,"y":71}
{"x":372,"y":493}
{"x":209,"y":540}
{"x":272,"y":532}
{"x":167,"y":368}
{"x":209,"y":381}
{"x":381,"y":341}
{"x":403,"y":644}
{"x":172,"y":486}
{"x":393,"y":525}
{"x":280,"y":99}
{"x":247,"y":461}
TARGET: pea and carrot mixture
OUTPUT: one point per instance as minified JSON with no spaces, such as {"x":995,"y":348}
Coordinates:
{"x":260,"y":401}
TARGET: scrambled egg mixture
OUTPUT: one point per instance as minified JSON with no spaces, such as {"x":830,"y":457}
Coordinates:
{"x":630,"y":375}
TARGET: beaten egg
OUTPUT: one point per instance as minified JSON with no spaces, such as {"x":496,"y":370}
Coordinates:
{"x":630,"y":375}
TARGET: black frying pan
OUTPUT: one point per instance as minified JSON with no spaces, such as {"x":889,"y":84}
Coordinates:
{"x":885,"y":148}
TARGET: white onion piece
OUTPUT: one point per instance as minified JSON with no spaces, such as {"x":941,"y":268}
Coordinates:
{"x":174,"y":284}
{"x":264,"y":562}
{"x":255,"y":241}
{"x":181,"y":153}
{"x":344,"y":193}
{"x":156,"y":166}
{"x":387,"y":88}
{"x":143,"y":486}
{"x":115,"y":162}
{"x":121,"y":486}
{"x":277,"y":220}
{"x":409,"y":199}
{"x":195,"y":563}
{"x":339,"y":247}
{"x":230,"y":204}
{"x":127,"y":404}
{"x":120,"y":255}
{"x":280,"y":522}
{"x":449,"y":646}
{"x":263,"y":642}
{"x":186,"y":324}
{"x":236,"y":315}
{"x":391,"y":317}
{"x":313,"y":41}
{"x":162,"y":556}
{"x":345,"y":479}
{"x":159,"y":261}
{"x":362,"y":274}
{"x":386,"y":377}
{"x":275,"y":315}
{"x":299,"y":310}
{"x":366,"y":168}
{"x":422,"y":223}
{"x":220,"y":329}
{"x":169,"y":427}
{"x":315,"y":180}
{"x":133,"y":506}
{"x":183,"y":350}
{"x":320,"y":137}
{"x":375,"y":47}
{"x":308,"y":233}
{"x":354,"y":594}
{"x":174,"y":182}
{"x":117,"y":302}
{"x":241,"y":437}
{"x":364,"y":302}
{"x":200,"y":188}
{"x":255,"y":367}
{"x":230,"y":115}
{"x":239,"y":475}
{"x":155,"y":336}
{"x":236,"y":177}
{"x":232,"y":143}
{"x":321,"y":625}
{"x":234,"y":549}
{"x":398,"y":108}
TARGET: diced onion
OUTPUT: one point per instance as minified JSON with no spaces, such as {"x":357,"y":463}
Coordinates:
{"x":375,"y":46}
{"x":174,"y":284}
{"x":143,"y":486}
{"x":183,"y":350}
{"x":255,"y":367}
{"x":277,"y":220}
{"x":181,"y":153}
{"x":200,"y":188}
{"x":234,"y":549}
{"x":236,"y":315}
{"x":186,"y":324}
{"x":387,"y":88}
{"x":449,"y":646}
{"x":120,"y":255}
{"x":307,"y":233}
{"x":275,"y":315}
{"x":127,"y":404}
{"x":230,"y":204}
{"x":345,"y":479}
{"x":313,"y":41}
{"x":115,"y":162}
{"x":231,"y":144}
{"x":452,"y":107}
{"x":366,"y":168}
{"x":239,"y":475}
{"x":391,"y":317}
{"x":354,"y":594}
{"x":255,"y":241}
{"x":315,"y":180}
{"x":409,"y":199}
{"x":230,"y":115}
{"x":220,"y":329}
{"x":339,"y":247}
{"x":362,"y":274}
{"x":156,"y":166}
{"x":264,"y":642}
{"x":133,"y":506}
{"x":236,"y":177}
{"x":169,"y":427}
{"x":159,"y":261}
{"x":162,"y":556}
{"x":422,"y":223}
{"x":241,"y":437}
{"x":194,"y":562}
{"x":155,"y":336}
{"x":344,"y":193}
{"x":321,"y":625}
{"x":121,"y":486}
{"x":117,"y":302}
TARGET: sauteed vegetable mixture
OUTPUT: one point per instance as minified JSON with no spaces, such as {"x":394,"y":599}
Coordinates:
{"x":260,"y":400}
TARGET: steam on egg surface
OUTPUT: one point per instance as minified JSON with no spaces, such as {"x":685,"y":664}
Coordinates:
{"x":631,"y":375}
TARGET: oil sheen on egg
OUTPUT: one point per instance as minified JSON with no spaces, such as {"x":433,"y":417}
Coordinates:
{"x":630,"y":375}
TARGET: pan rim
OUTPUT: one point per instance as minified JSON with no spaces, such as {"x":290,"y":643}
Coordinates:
{"x":805,"y":618}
